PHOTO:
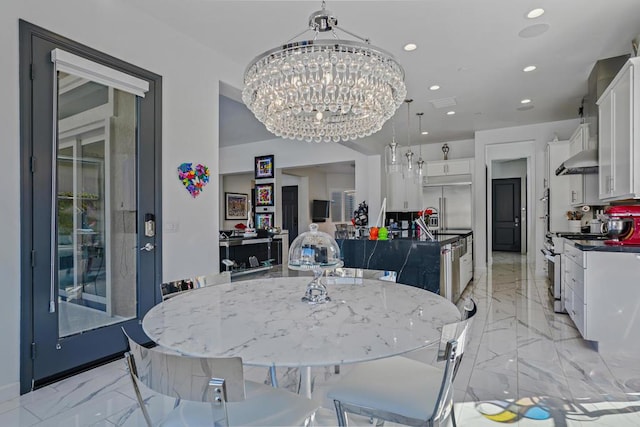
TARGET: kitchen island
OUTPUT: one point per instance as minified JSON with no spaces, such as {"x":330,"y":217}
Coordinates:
{"x":416,"y":262}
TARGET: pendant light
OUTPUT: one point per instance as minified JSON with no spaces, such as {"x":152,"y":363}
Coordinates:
{"x":409,"y":153}
{"x":420,"y":162}
{"x":392,"y":152}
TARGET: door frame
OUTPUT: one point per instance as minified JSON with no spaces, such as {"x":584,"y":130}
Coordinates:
{"x":27,"y":32}
{"x":511,"y":151}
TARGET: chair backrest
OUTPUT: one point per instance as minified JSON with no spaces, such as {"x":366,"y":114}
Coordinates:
{"x":197,"y":379}
{"x":171,"y":289}
{"x":452,"y":344}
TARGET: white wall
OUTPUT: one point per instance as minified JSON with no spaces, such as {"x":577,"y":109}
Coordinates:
{"x":238,"y":183}
{"x":540,"y":134}
{"x":296,"y":154}
{"x":191,"y":75}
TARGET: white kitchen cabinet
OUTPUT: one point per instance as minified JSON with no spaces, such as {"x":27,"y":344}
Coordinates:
{"x":602,"y":294}
{"x":619,"y":135}
{"x":403,"y":194}
{"x":448,"y":167}
{"x":466,"y":265}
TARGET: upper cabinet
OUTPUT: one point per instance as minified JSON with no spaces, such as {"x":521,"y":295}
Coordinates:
{"x":448,"y":167}
{"x":403,"y":194}
{"x":619,"y":135}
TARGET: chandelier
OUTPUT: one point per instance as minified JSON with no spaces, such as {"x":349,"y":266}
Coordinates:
{"x":324,"y":90}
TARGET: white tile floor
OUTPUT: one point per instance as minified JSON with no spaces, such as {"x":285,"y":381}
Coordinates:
{"x":524,"y":366}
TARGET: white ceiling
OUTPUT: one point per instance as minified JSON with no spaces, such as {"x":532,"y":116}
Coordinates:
{"x":471,"y":48}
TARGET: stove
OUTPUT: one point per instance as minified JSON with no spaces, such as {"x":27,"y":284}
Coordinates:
{"x":581,"y":236}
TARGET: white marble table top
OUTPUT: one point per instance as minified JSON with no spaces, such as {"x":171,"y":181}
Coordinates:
{"x":264,"y":322}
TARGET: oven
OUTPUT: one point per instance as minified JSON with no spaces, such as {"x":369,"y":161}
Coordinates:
{"x":552,"y":252}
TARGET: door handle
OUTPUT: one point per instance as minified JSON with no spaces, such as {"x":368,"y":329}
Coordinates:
{"x":148,"y":247}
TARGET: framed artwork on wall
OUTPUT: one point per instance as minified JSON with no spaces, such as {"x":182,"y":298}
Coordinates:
{"x":264,"y":167}
{"x":235,"y":205}
{"x":264,"y":220}
{"x":264,"y":195}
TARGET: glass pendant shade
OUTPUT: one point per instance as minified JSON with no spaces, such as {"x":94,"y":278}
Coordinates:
{"x":324,"y":90}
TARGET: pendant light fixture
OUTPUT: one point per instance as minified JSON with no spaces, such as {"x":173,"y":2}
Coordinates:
{"x":392,"y":152}
{"x":409,"y":153}
{"x":420,"y":162}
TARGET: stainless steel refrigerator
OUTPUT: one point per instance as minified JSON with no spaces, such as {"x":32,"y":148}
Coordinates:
{"x":452,"y":202}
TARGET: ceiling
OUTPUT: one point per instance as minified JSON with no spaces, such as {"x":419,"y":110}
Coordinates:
{"x":474,"y":50}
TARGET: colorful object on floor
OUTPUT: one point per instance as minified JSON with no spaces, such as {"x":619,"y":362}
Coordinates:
{"x":194,"y":179}
{"x":503,"y":411}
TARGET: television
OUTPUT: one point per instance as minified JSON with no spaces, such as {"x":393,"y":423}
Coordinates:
{"x":320,"y":209}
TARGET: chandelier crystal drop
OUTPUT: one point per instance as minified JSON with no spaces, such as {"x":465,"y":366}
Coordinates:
{"x":324,"y":90}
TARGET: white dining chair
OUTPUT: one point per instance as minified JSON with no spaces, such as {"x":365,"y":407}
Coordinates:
{"x":211,"y":392}
{"x":402,"y":390}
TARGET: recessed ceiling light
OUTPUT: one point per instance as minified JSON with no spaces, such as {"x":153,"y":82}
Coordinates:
{"x":529,"y":68}
{"x":424,"y":132}
{"x":450,"y":113}
{"x":434,"y":87}
{"x":525,"y":101}
{"x":535,"y":13}
{"x":410,"y":46}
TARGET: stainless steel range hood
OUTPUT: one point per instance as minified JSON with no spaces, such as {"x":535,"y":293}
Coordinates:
{"x":584,"y":162}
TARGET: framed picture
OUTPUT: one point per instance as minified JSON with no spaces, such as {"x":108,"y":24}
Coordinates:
{"x":235,"y":205}
{"x":264,"y":195}
{"x":264,"y":167}
{"x":264,"y":220}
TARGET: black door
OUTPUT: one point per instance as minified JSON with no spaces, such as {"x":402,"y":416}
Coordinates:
{"x":290,"y":211}
{"x":506,"y":214}
{"x":91,"y":259}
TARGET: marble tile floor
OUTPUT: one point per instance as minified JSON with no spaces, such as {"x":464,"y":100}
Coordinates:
{"x":524,"y":366}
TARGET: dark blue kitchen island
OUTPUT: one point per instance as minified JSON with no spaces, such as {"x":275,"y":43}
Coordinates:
{"x":416,"y":262}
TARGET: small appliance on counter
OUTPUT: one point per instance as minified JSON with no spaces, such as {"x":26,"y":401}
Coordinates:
{"x":623,"y":225}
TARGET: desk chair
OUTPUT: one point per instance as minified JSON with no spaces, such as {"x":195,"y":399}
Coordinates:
{"x":211,"y":391}
{"x":402,"y":390}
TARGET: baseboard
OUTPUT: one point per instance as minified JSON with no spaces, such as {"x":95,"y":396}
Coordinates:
{"x":9,"y":391}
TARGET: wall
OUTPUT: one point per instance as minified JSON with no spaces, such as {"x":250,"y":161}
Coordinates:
{"x":295,"y":154}
{"x":238,"y":183}
{"x":461,"y":149}
{"x":191,"y":75}
{"x":515,"y":169}
{"x":539,"y":134}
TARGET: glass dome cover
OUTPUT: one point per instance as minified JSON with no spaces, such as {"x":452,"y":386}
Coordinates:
{"x":315,"y":251}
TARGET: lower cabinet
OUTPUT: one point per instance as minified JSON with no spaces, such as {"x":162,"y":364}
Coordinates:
{"x":601,"y":295}
{"x":466,"y":265}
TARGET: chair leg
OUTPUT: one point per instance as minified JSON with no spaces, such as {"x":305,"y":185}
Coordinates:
{"x":131,"y":368}
{"x":453,"y":416}
{"x":340,"y":414}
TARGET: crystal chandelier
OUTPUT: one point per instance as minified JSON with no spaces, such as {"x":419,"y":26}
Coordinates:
{"x":324,"y":90}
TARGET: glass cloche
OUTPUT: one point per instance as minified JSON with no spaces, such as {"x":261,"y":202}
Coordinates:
{"x":317,"y":252}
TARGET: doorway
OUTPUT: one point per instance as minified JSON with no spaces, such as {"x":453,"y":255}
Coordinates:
{"x":290,"y":210}
{"x":506,"y":223}
{"x":91,"y":256}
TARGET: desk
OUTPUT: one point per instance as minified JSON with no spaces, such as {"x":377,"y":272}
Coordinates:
{"x":264,"y":322}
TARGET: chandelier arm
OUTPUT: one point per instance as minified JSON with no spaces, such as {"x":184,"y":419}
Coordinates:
{"x":363,"y":39}
{"x":301,"y":33}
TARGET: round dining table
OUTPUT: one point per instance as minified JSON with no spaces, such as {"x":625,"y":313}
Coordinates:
{"x":265,"y":322}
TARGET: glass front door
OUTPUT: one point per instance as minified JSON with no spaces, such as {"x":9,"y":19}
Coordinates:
{"x":95,"y":178}
{"x":95,"y":205}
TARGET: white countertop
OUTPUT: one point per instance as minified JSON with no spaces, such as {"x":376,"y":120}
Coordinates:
{"x":264,"y":322}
